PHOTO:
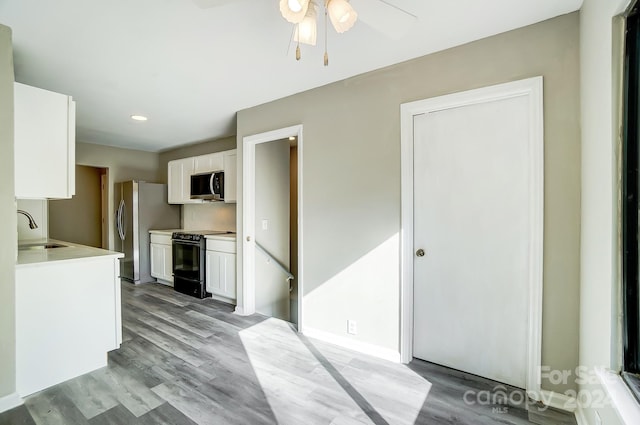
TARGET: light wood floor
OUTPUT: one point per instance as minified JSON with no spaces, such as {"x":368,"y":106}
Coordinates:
{"x":190,"y":361}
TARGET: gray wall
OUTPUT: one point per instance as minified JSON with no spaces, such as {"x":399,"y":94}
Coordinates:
{"x":8,"y":219}
{"x":78,"y":219}
{"x":351,"y":184}
{"x":123,"y":165}
{"x":272,"y":204}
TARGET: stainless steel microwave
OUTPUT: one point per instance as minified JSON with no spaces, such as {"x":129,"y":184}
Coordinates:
{"x":208,"y":186}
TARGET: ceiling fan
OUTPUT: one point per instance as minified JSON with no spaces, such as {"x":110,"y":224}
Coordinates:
{"x":380,"y":15}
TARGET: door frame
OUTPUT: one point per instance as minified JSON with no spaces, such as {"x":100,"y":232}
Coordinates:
{"x":531,"y":88}
{"x":249,"y":143}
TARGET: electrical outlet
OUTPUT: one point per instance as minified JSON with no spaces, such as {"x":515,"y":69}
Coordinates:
{"x":265,"y":224}
{"x":598,"y":420}
{"x":352,"y":327}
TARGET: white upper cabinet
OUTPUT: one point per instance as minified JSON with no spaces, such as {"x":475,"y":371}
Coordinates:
{"x":180,"y":170}
{"x":230,"y":176}
{"x":179,"y":178}
{"x":207,"y":163}
{"x":45,"y":140}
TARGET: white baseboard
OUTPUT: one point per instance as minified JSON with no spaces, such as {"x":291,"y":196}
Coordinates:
{"x":240,"y":311}
{"x":10,"y":401}
{"x":581,"y":419}
{"x":558,"y":401}
{"x":352,"y":344}
{"x":231,"y":301}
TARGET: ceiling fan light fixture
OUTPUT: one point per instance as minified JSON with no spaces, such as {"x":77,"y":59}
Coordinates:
{"x":342,"y":15}
{"x":307,"y":29}
{"x":294,"y":11}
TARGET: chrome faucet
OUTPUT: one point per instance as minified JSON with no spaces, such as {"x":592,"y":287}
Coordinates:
{"x":32,"y":222}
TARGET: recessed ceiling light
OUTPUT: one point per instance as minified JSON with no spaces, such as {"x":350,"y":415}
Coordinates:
{"x":138,"y":117}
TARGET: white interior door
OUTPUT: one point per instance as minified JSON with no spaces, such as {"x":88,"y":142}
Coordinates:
{"x":472,"y":217}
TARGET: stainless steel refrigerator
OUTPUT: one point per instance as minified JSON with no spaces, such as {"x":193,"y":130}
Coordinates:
{"x":140,"y":207}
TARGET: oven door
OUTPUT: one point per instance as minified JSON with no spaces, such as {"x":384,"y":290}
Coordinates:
{"x":188,"y":268}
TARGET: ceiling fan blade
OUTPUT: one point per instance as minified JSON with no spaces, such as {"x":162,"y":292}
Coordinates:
{"x":208,"y":4}
{"x":384,"y":17}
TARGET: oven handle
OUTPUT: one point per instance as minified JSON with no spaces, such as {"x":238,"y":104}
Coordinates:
{"x":181,"y":242}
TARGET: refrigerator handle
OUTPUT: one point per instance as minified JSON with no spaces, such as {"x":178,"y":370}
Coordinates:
{"x":119,"y":219}
{"x":116,"y":217}
{"x":123,"y":220}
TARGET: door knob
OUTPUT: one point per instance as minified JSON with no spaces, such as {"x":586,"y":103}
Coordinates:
{"x":420,"y":252}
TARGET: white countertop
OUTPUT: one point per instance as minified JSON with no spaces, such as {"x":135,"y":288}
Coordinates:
{"x":71,"y":252}
{"x":165,"y":232}
{"x":223,"y":236}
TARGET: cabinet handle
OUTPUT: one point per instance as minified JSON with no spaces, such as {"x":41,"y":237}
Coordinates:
{"x":420,"y":252}
{"x":248,"y":238}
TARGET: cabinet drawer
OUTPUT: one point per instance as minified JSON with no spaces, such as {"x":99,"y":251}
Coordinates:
{"x":161,"y":239}
{"x":222,"y":246}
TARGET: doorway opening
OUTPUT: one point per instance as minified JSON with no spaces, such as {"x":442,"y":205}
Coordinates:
{"x":272,"y":224}
{"x":83,"y":219}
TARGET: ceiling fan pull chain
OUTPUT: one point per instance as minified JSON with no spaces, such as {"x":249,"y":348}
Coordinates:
{"x":326,"y":55}
{"x":298,"y":45}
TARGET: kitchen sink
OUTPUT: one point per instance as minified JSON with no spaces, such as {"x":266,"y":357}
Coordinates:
{"x":34,"y":246}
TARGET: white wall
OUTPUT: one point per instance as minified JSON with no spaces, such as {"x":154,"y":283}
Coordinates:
{"x":8,"y":221}
{"x":599,"y":260}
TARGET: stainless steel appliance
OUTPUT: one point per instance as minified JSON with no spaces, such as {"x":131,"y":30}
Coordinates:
{"x":208,"y":186}
{"x":140,"y":207}
{"x":189,"y":268}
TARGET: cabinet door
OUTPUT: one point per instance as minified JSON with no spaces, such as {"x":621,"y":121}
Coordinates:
{"x":221,"y":274}
{"x":228,"y":274}
{"x":44,"y":143}
{"x":230,"y":176}
{"x":174,"y":178}
{"x":208,"y":163}
{"x":213,"y":283}
{"x":168,"y":263}
{"x":157,"y":261}
{"x":179,"y":181}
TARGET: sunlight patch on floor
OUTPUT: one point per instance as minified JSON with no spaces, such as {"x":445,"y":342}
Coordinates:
{"x":337,"y":386}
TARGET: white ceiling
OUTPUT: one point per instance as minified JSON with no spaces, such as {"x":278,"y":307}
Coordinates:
{"x":190,"y":69}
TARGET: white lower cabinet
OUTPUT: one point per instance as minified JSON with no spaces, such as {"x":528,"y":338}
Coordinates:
{"x":221,"y":269}
{"x":67,"y":319}
{"x":161,"y":259}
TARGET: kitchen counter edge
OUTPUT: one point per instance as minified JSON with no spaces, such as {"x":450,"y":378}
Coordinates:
{"x":70,"y":253}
